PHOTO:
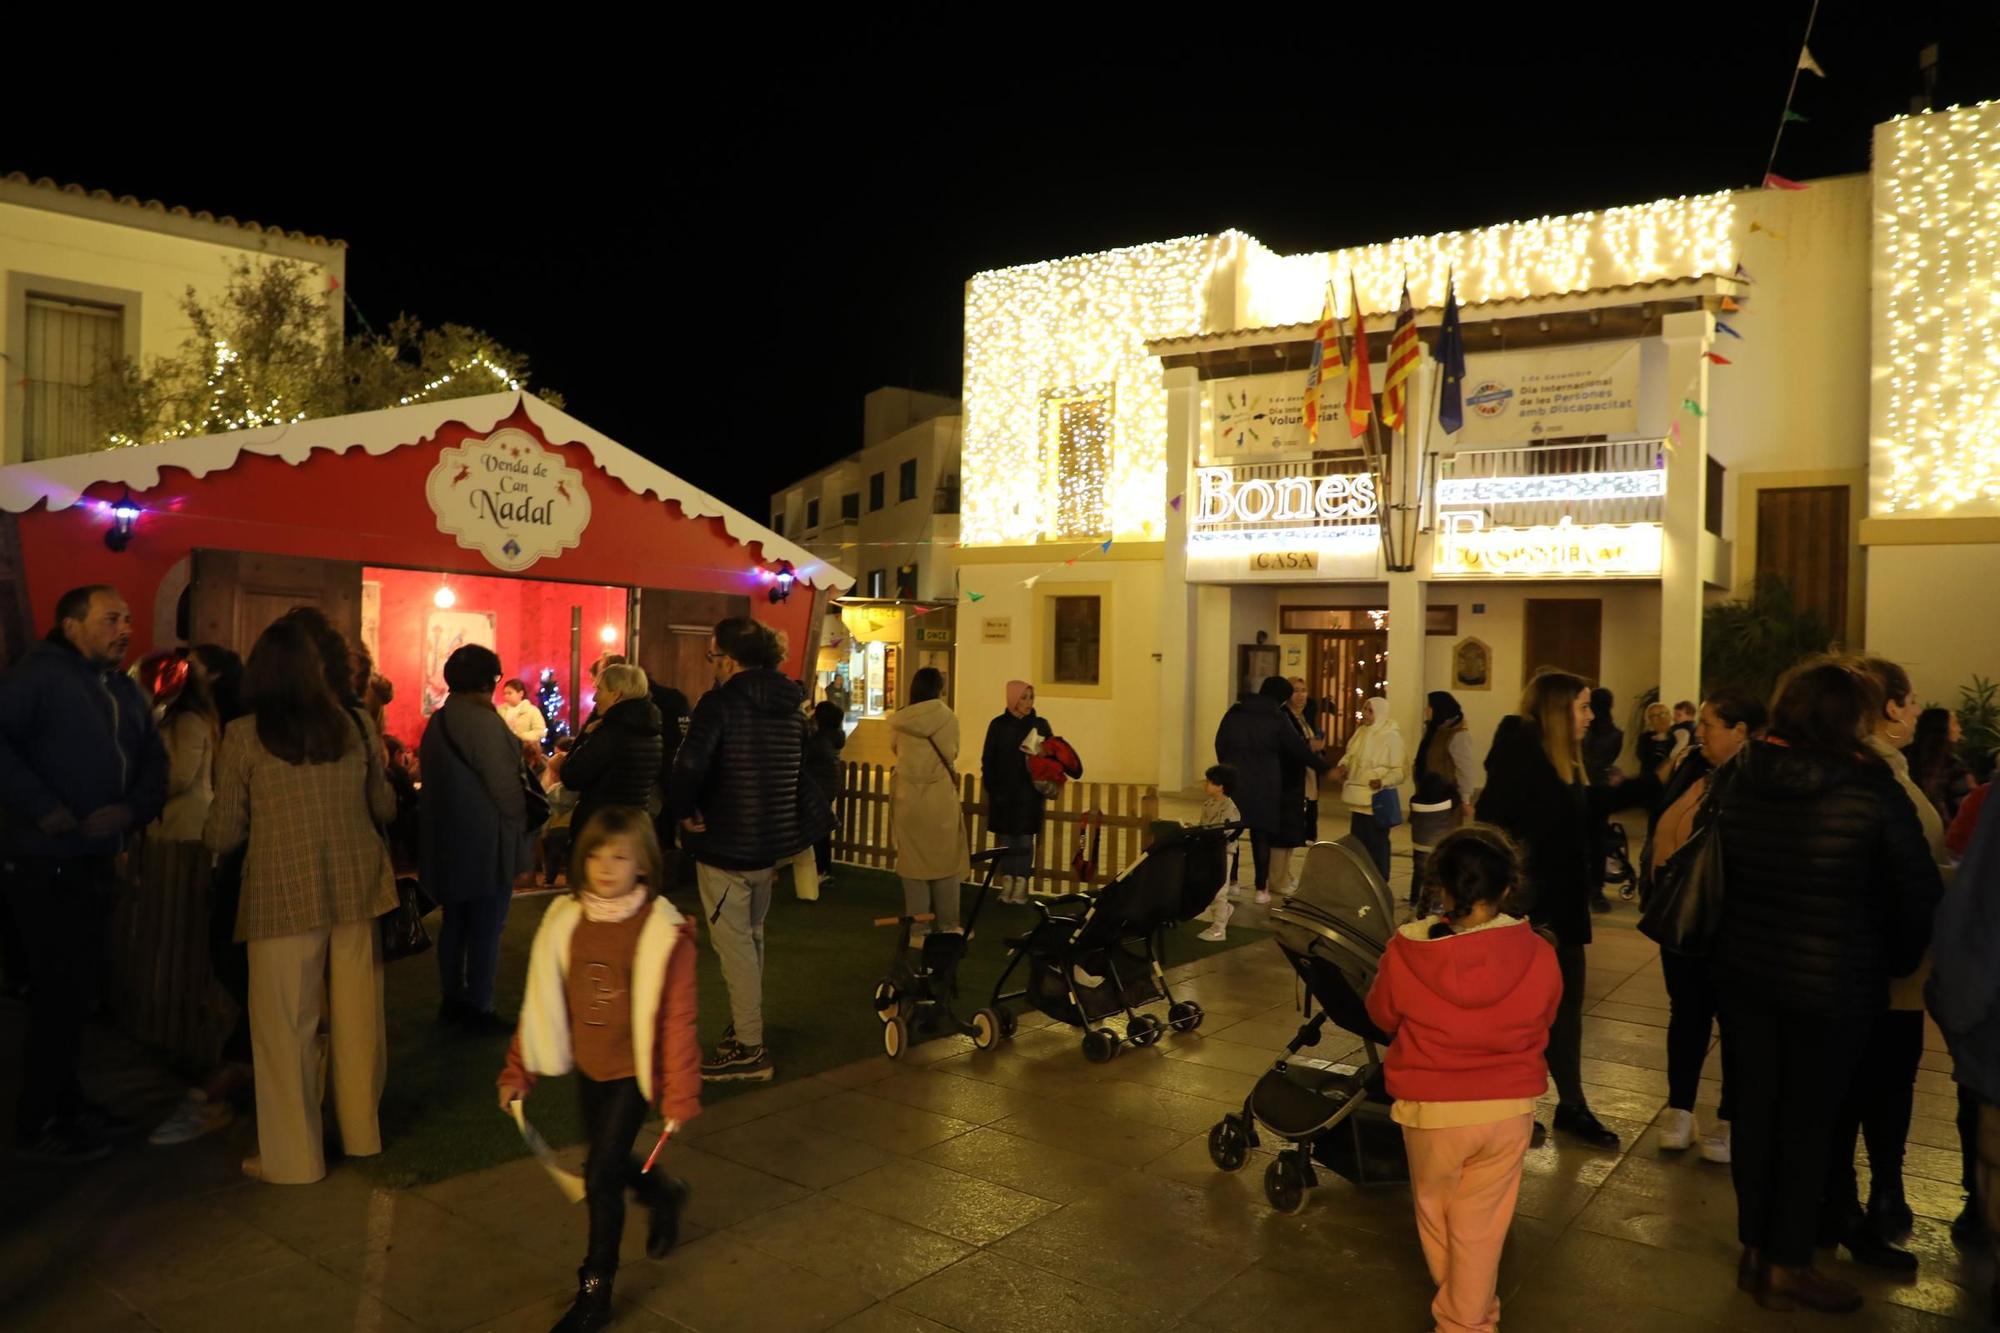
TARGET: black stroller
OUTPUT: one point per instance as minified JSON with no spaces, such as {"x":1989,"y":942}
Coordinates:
{"x":1618,"y":861}
{"x":1333,"y":931}
{"x":914,"y":1001}
{"x":1113,"y":934}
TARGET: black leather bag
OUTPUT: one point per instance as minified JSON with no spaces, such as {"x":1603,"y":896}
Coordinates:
{"x":402,"y":926}
{"x":1684,"y":912}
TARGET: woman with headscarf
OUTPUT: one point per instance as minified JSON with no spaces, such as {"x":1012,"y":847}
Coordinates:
{"x":1271,"y":756}
{"x":1446,"y":773}
{"x":1375,"y":761}
{"x":1013,"y":806}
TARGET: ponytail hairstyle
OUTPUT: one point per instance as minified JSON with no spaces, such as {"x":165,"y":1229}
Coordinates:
{"x":1548,"y":703}
{"x":1476,"y":864}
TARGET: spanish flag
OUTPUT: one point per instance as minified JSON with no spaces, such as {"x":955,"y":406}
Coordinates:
{"x":1325,"y":365}
{"x":1360,"y":388}
{"x":1404,"y":349}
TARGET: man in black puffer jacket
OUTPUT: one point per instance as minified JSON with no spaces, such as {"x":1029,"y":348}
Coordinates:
{"x":1830,"y":889}
{"x":736,"y":790}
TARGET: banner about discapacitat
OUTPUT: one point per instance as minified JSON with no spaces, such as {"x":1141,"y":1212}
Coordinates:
{"x":1555,"y":393}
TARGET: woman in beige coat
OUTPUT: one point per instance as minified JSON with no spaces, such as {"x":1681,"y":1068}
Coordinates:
{"x":929,"y":822}
{"x":303,"y":779}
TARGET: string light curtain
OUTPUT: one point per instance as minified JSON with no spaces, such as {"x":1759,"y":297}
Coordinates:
{"x":1077,"y":461}
{"x":1937,"y":226}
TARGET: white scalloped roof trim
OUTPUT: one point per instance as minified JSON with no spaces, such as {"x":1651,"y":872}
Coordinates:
{"x":61,"y":482}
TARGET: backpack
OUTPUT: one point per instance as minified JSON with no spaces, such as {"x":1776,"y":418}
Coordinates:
{"x":1052,"y":765}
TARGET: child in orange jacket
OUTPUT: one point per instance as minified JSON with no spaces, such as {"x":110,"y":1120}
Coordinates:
{"x":611,"y":995}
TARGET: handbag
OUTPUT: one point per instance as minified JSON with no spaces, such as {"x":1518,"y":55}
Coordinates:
{"x":402,"y":926}
{"x":1387,"y":806}
{"x":1684,"y":913}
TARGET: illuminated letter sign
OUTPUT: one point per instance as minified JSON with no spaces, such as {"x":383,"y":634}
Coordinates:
{"x":1467,"y":548}
{"x":1220,"y":498}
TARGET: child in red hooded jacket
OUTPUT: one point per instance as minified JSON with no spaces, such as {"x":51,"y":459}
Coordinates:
{"x":1468,"y":997}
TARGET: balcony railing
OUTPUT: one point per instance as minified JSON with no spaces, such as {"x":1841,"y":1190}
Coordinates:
{"x":1625,"y":482}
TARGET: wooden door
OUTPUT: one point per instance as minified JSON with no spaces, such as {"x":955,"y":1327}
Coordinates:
{"x":1346,"y":668}
{"x":1563,"y":633}
{"x":670,"y":630}
{"x":1802,"y":536}
{"x":234,"y":595}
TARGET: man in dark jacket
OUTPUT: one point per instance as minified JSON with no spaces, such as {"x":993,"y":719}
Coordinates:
{"x":743,"y":806}
{"x":1258,"y":736}
{"x":81,"y":766}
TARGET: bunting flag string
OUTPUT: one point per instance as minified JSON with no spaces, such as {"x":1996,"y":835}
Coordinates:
{"x":1721,"y":327}
{"x":1773,"y":181}
{"x":1805,"y":65}
{"x":1718,"y":358}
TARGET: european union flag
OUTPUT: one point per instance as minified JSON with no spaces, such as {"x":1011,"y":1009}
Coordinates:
{"x":1450,"y":354}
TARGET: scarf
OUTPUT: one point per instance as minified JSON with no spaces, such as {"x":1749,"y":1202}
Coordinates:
{"x":609,"y":911}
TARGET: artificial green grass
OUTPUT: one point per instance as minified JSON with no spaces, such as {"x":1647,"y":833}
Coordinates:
{"x":441,"y":1114}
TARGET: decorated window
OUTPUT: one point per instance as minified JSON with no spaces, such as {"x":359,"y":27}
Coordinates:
{"x":1078,"y":624}
{"x":1076,"y":429}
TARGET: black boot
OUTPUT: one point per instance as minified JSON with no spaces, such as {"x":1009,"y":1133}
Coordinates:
{"x":1969,"y":1227}
{"x":592,"y":1310}
{"x":1889,"y":1212}
{"x":665,"y":1198}
{"x":1581,"y":1124}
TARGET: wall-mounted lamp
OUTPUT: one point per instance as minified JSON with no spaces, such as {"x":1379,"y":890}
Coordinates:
{"x":781,"y":582}
{"x":124,"y":518}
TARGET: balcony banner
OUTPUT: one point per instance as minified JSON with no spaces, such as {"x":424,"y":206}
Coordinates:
{"x":1554,"y":393}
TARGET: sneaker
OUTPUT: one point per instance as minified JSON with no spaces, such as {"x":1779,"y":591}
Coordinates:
{"x":1715,"y":1145}
{"x":104,"y":1123}
{"x":1582,"y":1125}
{"x":1676,"y":1130}
{"x":66,"y":1144}
{"x":1263,"y":897}
{"x":194,"y":1117}
{"x":733,"y":1062}
{"x":1215,"y":934}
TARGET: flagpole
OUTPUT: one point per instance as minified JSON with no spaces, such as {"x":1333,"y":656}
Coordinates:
{"x":1798,"y":65}
{"x":1437,"y":386}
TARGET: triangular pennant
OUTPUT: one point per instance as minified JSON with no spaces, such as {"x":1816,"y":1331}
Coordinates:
{"x":1692,"y":406}
{"x":1773,"y":181}
{"x":975,"y":596}
{"x":1106,"y":546}
{"x":1731,"y":305}
{"x":1070,"y":561}
{"x":1718,"y":358}
{"x":1674,"y":433}
{"x":1029,"y":581}
{"x":1175,"y":503}
{"x":1791,"y":116}
{"x":1808,"y":64}
{"x":922,"y":610}
{"x":1720,"y":327}
{"x":1744,"y":274}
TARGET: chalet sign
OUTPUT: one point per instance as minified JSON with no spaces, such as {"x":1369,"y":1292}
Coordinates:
{"x":508,"y":498}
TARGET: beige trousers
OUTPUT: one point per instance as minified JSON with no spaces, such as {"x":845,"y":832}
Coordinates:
{"x":297,"y":983}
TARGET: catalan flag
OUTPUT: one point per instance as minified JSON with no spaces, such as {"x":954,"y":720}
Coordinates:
{"x":1360,"y":389}
{"x":1450,"y":355}
{"x":1325,"y":365}
{"x":1404,"y":349}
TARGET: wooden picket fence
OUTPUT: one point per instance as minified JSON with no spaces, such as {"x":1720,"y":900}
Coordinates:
{"x":1114,"y":814}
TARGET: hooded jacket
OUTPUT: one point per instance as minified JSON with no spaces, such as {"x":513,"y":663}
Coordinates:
{"x":741,"y":769}
{"x":927,"y":814}
{"x":1012,"y":803}
{"x":1258,"y":736}
{"x":75,"y":737}
{"x":1830,"y":887}
{"x":616,"y":761}
{"x":1375,"y":754}
{"x":1469,"y":1013}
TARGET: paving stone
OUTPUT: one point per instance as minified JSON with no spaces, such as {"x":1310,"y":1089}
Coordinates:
{"x":1053,"y":1173}
{"x":949,"y":1202}
{"x":796,"y":1152}
{"x":721,"y":1284}
{"x":441,"y":1271}
{"x":990,"y":1293}
{"x":836,"y":1240}
{"x":299,"y":1298}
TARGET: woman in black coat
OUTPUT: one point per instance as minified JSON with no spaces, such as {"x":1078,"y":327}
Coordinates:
{"x":1831,"y":890}
{"x":472,"y":833}
{"x":1259,"y":736}
{"x":1013,"y":806}
{"x":1536,"y":790}
{"x":617,"y":759}
{"x":822,"y":766}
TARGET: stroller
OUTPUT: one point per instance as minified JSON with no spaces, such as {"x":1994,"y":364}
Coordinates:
{"x":914,"y":1001}
{"x":1333,"y":931}
{"x":1113,"y":934}
{"x":1618,"y":860}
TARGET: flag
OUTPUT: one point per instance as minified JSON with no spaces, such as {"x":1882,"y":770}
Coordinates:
{"x":1773,"y":181}
{"x":1107,"y":546}
{"x":1808,"y":64}
{"x":1450,"y":355}
{"x":1731,"y":305}
{"x":1720,"y":327}
{"x":1360,"y":389}
{"x":1403,"y":352}
{"x":1692,"y":406}
{"x":1319,"y":369}
{"x":1791,"y":115}
{"x":974,"y":596}
{"x":1718,"y":358}
{"x":1744,"y":274}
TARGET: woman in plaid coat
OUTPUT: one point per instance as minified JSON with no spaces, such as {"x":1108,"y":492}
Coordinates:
{"x":302,"y":779}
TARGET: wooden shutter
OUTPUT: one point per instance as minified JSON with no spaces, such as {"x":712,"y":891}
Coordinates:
{"x":1802,"y":538}
{"x":672,"y":629}
{"x":1564,"y":633}
{"x":67,"y":347}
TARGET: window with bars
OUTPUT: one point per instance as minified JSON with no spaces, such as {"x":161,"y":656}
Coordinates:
{"x":1077,"y":428}
{"x":68,"y":349}
{"x":1078,"y":625}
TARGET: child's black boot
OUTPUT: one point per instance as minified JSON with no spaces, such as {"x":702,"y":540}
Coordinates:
{"x":665,"y":1197}
{"x":592,"y":1310}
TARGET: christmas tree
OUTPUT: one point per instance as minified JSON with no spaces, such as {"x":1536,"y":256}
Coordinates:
{"x":549,"y":698}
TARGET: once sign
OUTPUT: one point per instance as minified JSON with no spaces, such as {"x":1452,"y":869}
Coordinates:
{"x":1223,"y":499}
{"x":508,"y":498}
{"x":1467,"y":548}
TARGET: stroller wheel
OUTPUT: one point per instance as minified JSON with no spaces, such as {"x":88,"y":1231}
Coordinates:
{"x":895,"y":1036}
{"x":1228,"y":1146}
{"x":1185,"y":1015}
{"x":1100,"y":1045}
{"x":986,"y":1029}
{"x":1285,"y":1185}
{"x":1144,"y":1030}
{"x":887,"y":1003}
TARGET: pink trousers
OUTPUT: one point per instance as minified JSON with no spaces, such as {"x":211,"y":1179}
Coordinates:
{"x":1465,"y":1182}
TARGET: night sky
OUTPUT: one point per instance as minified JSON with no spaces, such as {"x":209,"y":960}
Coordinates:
{"x":713,"y":245}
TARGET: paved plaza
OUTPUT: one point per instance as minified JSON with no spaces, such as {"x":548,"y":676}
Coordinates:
{"x":1021,"y":1189}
